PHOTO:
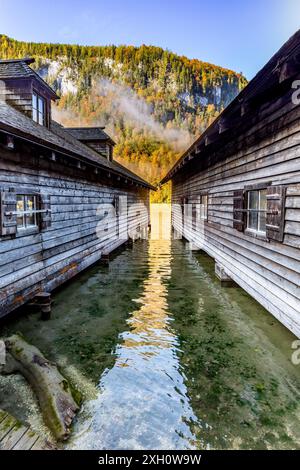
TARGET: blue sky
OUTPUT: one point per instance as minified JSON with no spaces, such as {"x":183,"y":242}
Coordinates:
{"x":238,"y":34}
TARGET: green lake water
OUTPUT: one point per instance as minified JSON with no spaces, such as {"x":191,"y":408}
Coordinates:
{"x":165,"y":357}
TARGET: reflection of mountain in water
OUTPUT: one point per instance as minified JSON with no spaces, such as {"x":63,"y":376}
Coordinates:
{"x":142,"y":402}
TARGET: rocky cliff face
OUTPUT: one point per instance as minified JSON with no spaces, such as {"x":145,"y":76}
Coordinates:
{"x":153,"y":102}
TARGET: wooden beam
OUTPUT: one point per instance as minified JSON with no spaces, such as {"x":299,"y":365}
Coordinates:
{"x":245,"y":107}
{"x":209,"y":139}
{"x":288,"y":70}
{"x":223,"y":125}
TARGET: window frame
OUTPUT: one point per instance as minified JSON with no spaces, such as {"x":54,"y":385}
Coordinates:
{"x":204,"y":216}
{"x":25,"y":213}
{"x":36,"y":109}
{"x":250,"y":230}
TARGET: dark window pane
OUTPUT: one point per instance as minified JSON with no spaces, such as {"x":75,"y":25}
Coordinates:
{"x":30,"y":206}
{"x":41,"y":105}
{"x":34,"y":101}
{"x":20,"y":203}
{"x":253,"y":205}
{"x":30,"y":219}
{"x":30,"y":203}
{"x":20,"y":222}
{"x":34,"y":115}
{"x":41,"y":118}
{"x":204,"y":207}
{"x":253,"y":200}
{"x":38,"y":109}
{"x":253,"y":220}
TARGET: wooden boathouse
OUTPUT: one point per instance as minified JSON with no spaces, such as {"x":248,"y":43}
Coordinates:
{"x":241,"y":179}
{"x":61,"y":192}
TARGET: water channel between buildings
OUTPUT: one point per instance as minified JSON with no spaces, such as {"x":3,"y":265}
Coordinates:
{"x":165,"y":357}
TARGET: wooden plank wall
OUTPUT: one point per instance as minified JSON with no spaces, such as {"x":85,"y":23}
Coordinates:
{"x":46,"y":259}
{"x":102,"y":148}
{"x":269,"y":271}
{"x":18,"y":93}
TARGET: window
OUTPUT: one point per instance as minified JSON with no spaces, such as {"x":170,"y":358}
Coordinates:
{"x":256,"y":210}
{"x":199,"y":211}
{"x":204,"y":206}
{"x":260,"y":211}
{"x":39,"y":109}
{"x":26,"y":212}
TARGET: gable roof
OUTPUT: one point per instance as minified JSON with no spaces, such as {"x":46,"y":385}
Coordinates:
{"x":19,"y":68}
{"x":283,"y":66}
{"x":87,"y":134}
{"x":58,"y":139}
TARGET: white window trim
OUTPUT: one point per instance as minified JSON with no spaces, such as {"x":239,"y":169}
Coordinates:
{"x":37,"y":110}
{"x":24,"y":226}
{"x":249,"y":229}
{"x":204,"y":207}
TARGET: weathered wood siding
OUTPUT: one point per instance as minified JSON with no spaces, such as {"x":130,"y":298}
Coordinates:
{"x":18,"y":93}
{"x":43,"y":260}
{"x":267,"y":270}
{"x":103,"y":148}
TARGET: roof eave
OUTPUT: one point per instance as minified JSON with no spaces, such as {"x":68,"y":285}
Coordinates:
{"x":19,"y":134}
{"x":242,"y":96}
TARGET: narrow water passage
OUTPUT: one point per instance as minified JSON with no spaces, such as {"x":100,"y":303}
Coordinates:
{"x":142,"y":401}
{"x":165,"y":357}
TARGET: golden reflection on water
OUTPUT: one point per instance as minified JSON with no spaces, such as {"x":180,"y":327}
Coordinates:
{"x":149,"y":323}
{"x":142,"y":403}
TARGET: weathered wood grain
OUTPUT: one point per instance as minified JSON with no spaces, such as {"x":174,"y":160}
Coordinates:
{"x":43,"y":260}
{"x":267,"y":269}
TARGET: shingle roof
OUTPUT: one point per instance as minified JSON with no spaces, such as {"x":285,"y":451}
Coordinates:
{"x":265,"y":80}
{"x":19,"y":68}
{"x":58,"y":139}
{"x":89,"y":134}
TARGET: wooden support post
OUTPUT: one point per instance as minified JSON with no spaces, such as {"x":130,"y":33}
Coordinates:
{"x":129,"y":243}
{"x":104,"y":260}
{"x":225,"y":280}
{"x":192,"y":247}
{"x":43,"y":302}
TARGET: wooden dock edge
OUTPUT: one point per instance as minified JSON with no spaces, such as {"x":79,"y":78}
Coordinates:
{"x":17,"y":436}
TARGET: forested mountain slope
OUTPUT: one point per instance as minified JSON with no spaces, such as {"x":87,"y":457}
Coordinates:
{"x":152,"y":101}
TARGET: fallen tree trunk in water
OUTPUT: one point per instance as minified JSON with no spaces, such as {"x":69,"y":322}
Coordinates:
{"x":52,"y":389}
